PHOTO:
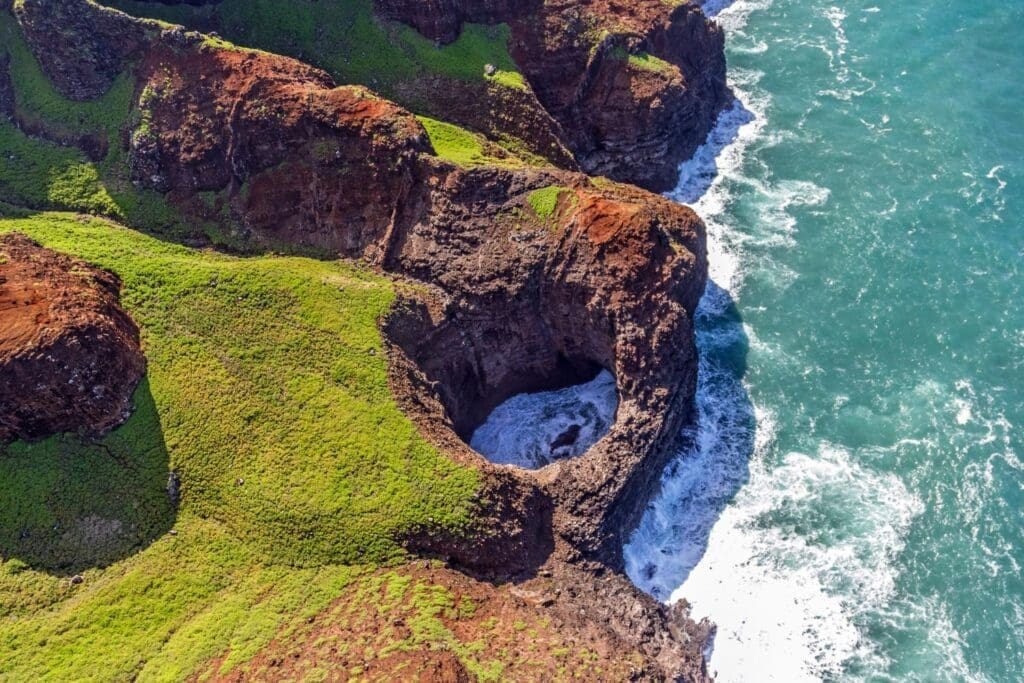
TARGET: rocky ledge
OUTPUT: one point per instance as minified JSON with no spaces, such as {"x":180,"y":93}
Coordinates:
{"x":621,"y":88}
{"x":69,"y":355}
{"x":635,"y":85}
{"x":512,"y":278}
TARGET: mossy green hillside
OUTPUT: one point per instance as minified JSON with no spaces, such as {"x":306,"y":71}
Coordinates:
{"x":349,"y":42}
{"x":544,"y":202}
{"x":466,"y":148}
{"x":41,"y":174}
{"x":269,"y":390}
{"x":345,"y":39}
{"x":644,"y":61}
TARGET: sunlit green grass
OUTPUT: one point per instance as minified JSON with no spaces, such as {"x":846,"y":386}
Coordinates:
{"x":465,"y":148}
{"x":345,"y":39}
{"x":270,"y":384}
{"x":267,"y":392}
{"x":544,"y":201}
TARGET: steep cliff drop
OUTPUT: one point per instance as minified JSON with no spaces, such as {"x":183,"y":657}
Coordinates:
{"x":635,"y":86}
{"x":512,"y":277}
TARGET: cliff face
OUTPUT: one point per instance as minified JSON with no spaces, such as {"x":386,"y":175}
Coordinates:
{"x":634,"y":85}
{"x":69,"y":355}
{"x":298,"y":156}
{"x":517,"y":301}
{"x":513,"y":278}
{"x":622,"y":88}
{"x":81,"y":58}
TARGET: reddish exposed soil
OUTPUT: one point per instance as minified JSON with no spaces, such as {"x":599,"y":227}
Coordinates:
{"x":535,"y":632}
{"x":69,"y":355}
{"x":494,"y":298}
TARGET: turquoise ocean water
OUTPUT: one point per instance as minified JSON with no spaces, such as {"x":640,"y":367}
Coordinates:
{"x":851,"y":506}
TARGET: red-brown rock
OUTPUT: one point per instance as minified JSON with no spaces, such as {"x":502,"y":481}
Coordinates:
{"x":69,"y":355}
{"x":631,"y":119}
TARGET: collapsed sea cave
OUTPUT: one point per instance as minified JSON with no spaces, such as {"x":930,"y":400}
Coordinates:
{"x":509,"y":387}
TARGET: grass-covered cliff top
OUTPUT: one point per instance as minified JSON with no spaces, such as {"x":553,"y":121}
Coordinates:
{"x":344,"y":39}
{"x":42,"y":174}
{"x":266,"y":392}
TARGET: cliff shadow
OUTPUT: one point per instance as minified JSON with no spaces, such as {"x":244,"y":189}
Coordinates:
{"x":698,"y":173}
{"x":72,"y":503}
{"x":712,"y":463}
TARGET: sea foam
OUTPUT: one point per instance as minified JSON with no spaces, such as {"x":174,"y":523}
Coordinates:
{"x":725,"y":532}
{"x":532,"y":430}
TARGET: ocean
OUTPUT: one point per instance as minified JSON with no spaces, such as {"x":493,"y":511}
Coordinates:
{"x":851,"y":505}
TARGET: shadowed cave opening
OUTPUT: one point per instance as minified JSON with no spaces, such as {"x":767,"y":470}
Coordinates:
{"x":515,"y":388}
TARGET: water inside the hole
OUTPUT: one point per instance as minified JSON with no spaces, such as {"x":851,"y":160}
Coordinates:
{"x":532,"y":430}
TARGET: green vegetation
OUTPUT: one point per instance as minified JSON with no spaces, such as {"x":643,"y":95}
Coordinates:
{"x":267,"y":393}
{"x":35,"y":173}
{"x":349,"y":42}
{"x":545,"y":200}
{"x":38,"y":102}
{"x":42,"y":174}
{"x":645,"y":61}
{"x":464,"y":148}
{"x":286,"y":424}
{"x":345,"y":39}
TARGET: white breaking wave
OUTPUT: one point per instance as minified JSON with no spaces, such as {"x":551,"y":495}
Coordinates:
{"x":532,"y":430}
{"x":787,"y":554}
{"x":728,"y":532}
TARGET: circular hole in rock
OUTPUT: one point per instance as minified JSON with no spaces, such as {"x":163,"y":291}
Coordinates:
{"x":534,"y":429}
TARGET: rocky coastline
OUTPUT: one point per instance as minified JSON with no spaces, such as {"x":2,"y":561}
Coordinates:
{"x":500,"y":292}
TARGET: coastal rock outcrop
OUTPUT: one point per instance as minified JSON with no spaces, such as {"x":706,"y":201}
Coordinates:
{"x":635,"y":86}
{"x":69,"y":354}
{"x":510,"y":277}
{"x":533,"y":278}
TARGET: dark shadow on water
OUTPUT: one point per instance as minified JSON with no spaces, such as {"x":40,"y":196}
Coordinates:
{"x":697,"y":174}
{"x":713,"y":463}
{"x":712,"y":8}
{"x":70,"y":504}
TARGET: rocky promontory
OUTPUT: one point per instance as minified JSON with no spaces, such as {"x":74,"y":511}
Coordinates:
{"x":513,"y":275}
{"x":635,"y":85}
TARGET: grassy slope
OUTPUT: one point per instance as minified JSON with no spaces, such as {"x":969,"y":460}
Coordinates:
{"x":267,"y":370}
{"x":266,"y":391}
{"x":345,"y":39}
{"x":43,"y":175}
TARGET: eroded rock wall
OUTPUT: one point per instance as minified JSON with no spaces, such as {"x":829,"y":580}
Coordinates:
{"x":497,"y":295}
{"x":82,"y":47}
{"x":635,"y":85}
